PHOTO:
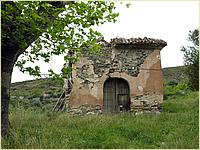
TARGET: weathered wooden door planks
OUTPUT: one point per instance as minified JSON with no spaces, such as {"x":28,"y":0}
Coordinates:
{"x":116,"y":95}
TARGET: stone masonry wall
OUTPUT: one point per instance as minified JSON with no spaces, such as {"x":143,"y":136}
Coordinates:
{"x":124,"y":59}
{"x":139,"y":66}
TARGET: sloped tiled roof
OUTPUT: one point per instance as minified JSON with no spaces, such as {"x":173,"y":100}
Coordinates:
{"x":147,"y":42}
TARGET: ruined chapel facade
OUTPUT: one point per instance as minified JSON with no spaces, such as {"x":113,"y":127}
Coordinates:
{"x":127,"y":76}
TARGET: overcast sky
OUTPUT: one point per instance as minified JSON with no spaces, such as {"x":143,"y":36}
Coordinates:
{"x":167,"y":20}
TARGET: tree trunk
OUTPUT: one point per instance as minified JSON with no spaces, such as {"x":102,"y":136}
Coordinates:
{"x":10,"y":52}
{"x":6,"y":72}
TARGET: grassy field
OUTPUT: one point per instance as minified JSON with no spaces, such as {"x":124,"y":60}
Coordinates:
{"x":176,"y":127}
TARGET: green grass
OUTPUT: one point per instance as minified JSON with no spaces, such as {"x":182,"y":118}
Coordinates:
{"x":176,"y":127}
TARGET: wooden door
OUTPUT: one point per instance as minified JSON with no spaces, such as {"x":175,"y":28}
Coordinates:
{"x":116,"y":95}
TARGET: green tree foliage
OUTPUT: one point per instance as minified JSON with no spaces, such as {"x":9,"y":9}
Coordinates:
{"x":191,"y":59}
{"x":50,"y":28}
{"x":56,"y":29}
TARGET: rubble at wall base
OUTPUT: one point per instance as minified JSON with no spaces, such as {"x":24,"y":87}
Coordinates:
{"x":145,"y":104}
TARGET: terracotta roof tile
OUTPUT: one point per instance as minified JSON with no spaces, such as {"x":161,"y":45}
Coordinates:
{"x":156,"y":43}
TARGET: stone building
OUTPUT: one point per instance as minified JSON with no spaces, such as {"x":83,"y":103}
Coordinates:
{"x":127,"y":76}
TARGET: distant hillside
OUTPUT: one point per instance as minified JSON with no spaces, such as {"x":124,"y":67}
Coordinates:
{"x":30,"y":94}
{"x":175,"y":74}
{"x":35,"y":88}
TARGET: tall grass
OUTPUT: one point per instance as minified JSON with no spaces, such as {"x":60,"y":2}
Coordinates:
{"x":176,"y":127}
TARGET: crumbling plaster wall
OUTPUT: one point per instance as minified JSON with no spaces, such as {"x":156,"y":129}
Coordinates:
{"x":141,"y":68}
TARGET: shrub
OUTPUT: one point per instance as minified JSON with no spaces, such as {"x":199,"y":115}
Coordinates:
{"x":173,"y":89}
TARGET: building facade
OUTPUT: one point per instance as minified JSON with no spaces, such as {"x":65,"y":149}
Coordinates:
{"x":126,"y":76}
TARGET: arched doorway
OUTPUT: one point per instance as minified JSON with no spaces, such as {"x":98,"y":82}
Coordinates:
{"x":116,"y":95}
